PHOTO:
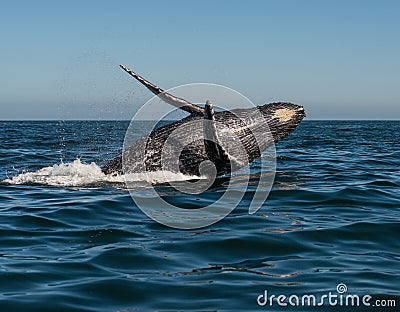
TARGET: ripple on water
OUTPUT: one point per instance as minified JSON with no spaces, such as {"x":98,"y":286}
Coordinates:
{"x":332,"y":217}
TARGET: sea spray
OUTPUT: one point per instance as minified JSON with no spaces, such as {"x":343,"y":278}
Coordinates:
{"x":77,"y":173}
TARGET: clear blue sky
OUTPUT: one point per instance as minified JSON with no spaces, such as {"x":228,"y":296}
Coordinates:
{"x":340,"y":59}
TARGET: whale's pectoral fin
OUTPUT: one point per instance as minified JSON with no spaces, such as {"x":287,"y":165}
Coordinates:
{"x":168,"y":98}
{"x":214,"y":150}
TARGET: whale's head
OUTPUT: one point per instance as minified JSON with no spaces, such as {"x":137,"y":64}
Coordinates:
{"x":282,"y":118}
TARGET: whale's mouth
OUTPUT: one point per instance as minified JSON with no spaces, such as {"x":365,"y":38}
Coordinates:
{"x":78,"y":174}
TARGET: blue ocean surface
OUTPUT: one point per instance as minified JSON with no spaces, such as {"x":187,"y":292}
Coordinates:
{"x":72,"y":239}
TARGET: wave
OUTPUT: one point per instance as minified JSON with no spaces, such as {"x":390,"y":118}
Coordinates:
{"x":77,"y":173}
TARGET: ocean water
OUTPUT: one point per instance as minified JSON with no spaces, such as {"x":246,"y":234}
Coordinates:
{"x":71,"y":239}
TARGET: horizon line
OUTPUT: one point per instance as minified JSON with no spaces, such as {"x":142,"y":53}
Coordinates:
{"x":97,"y":119}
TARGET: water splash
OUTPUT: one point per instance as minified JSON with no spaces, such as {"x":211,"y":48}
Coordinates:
{"x":77,"y":173}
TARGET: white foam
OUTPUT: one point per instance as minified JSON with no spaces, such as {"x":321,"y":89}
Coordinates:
{"x":80,"y":174}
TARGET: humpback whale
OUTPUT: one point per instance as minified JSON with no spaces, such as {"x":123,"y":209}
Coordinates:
{"x":244,"y":127}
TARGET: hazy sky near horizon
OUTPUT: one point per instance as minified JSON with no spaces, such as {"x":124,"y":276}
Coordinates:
{"x":59,"y":59}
